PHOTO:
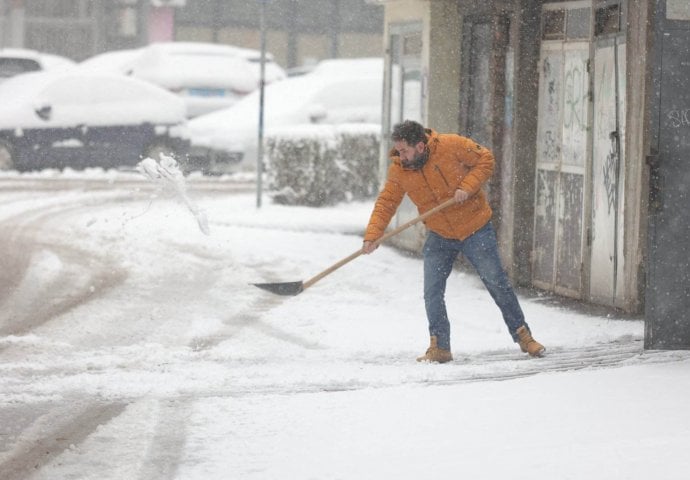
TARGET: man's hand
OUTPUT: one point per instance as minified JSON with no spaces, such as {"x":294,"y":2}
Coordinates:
{"x":461,"y":195}
{"x":368,"y":247}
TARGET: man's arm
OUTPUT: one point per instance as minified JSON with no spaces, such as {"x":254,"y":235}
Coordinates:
{"x":480,"y":162}
{"x":385,"y":207}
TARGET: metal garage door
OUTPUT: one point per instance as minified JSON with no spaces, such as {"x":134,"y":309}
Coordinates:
{"x":667,"y":294}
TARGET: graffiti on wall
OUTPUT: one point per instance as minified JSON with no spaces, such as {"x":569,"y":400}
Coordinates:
{"x":545,"y":215}
{"x":610,"y":174}
{"x":575,"y":102}
{"x":679,"y":118}
{"x":575,"y":107}
{"x":562,"y":144}
{"x":550,"y":141}
{"x":570,"y":232}
{"x":605,"y":148}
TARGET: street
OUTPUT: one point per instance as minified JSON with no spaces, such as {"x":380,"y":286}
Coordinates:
{"x":133,"y":346}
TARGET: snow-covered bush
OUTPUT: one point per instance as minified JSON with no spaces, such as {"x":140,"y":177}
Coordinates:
{"x":323,"y":164}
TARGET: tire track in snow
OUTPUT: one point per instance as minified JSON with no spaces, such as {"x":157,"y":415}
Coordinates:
{"x":27,"y":300}
{"x":167,"y":445}
{"x":52,"y":433}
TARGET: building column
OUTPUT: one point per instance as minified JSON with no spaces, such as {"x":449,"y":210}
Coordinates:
{"x":161,"y":24}
{"x":525,"y":102}
{"x":12,"y":32}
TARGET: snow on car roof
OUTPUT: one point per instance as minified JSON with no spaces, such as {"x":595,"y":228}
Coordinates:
{"x":207,"y":48}
{"x":206,"y":69}
{"x":350,"y":66}
{"x":18,"y":53}
{"x":115,"y":60}
{"x":128,"y":100}
{"x":177,"y":65}
{"x":51,"y":61}
{"x":285,"y":96}
{"x":355,"y":85}
{"x":47,"y":60}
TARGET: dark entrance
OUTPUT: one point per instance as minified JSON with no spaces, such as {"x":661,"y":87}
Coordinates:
{"x":667,"y":295}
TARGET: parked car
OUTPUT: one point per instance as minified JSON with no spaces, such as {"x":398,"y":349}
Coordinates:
{"x":207,"y":76}
{"x":14,"y":61}
{"x":336,"y":91}
{"x":84,"y":119}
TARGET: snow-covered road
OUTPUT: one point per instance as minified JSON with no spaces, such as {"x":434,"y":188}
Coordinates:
{"x":133,"y":346}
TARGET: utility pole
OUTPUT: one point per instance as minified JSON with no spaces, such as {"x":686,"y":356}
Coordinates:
{"x":262,"y":82}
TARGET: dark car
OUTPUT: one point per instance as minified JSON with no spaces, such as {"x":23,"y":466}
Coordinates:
{"x":86,"y":119}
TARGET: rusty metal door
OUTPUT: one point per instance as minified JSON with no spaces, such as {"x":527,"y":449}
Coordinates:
{"x":562,"y":137}
{"x":608,"y":181}
{"x":667,"y":294}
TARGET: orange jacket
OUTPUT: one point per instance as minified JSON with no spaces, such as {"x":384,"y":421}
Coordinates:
{"x":454,"y":162}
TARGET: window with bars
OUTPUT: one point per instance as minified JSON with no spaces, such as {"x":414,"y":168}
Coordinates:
{"x":566,"y":24}
{"x":607,"y":20}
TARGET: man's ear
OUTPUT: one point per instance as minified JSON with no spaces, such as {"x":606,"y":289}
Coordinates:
{"x":420,"y":147}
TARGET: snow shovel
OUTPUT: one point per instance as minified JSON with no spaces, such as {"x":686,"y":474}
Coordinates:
{"x":294,"y":288}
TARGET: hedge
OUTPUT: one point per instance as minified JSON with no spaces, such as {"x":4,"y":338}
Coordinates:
{"x":319,"y":165}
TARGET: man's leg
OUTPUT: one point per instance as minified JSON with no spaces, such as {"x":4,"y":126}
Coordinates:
{"x":439,"y":255}
{"x":481,"y":249}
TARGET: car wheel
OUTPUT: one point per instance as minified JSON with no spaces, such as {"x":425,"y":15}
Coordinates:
{"x":6,"y":156}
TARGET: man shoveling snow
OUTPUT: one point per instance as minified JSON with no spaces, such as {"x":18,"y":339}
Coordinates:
{"x":432,"y":168}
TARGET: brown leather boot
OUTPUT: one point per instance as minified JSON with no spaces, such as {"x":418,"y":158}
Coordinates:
{"x":435,"y":354}
{"x":529,"y":344}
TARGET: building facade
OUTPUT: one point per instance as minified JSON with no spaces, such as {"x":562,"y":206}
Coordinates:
{"x":573,"y":97}
{"x":299,"y":32}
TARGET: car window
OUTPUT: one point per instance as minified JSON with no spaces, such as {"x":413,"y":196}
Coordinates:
{"x":10,"y":66}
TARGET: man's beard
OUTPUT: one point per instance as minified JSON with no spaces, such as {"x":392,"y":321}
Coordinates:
{"x":417,"y":162}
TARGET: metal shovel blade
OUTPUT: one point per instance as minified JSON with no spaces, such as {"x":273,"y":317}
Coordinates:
{"x":284,"y":288}
{"x":293,"y":288}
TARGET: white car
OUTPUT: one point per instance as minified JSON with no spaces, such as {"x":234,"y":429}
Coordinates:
{"x":207,"y":76}
{"x":83,"y":119}
{"x":336,"y":91}
{"x":14,"y":61}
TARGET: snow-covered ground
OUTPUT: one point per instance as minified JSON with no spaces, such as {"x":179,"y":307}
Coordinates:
{"x":133,"y":346}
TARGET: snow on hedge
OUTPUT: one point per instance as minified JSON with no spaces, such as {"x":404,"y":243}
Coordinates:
{"x":318,"y":165}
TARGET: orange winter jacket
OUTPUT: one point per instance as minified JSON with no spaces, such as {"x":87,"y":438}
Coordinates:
{"x":454,"y":162}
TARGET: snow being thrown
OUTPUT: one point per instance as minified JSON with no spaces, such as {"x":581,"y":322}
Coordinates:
{"x":167,"y":173}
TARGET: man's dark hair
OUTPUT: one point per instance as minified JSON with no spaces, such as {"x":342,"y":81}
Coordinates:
{"x":409,"y":131}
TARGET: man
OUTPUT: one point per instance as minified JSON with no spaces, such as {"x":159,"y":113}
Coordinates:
{"x":431,"y":168}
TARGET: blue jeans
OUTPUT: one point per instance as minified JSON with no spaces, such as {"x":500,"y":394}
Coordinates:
{"x":481,"y":249}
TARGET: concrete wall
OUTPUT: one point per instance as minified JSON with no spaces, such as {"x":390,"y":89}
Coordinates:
{"x":518,"y":206}
{"x":640,"y":14}
{"x":445,"y":40}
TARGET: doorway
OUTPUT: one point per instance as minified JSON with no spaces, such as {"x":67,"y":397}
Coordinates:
{"x":562,"y":139}
{"x":608,"y":156}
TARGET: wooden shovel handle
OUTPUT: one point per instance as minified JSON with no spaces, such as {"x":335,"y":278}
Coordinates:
{"x":383,"y":238}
